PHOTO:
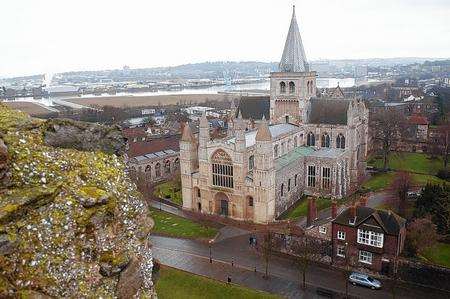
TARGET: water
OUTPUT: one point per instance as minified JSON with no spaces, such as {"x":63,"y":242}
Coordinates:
{"x":263,"y":86}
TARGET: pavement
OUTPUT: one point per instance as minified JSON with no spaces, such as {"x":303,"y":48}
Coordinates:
{"x":233,"y":257}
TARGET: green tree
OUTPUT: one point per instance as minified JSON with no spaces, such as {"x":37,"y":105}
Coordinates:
{"x":434,"y":200}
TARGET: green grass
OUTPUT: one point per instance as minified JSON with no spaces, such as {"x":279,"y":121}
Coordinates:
{"x":175,"y":226}
{"x":302,"y":207}
{"x":169,"y":190}
{"x":379,"y":181}
{"x":439,"y":254}
{"x":174,"y":283}
{"x":382,"y":180}
{"x":412,"y":162}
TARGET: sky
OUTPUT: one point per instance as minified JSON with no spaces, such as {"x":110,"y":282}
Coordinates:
{"x":47,"y":36}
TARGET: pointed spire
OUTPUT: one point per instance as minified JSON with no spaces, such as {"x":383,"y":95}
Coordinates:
{"x":263,"y":133}
{"x":187,"y":133}
{"x":239,"y":114}
{"x":294,"y":58}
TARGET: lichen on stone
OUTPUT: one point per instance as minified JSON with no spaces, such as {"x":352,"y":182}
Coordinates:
{"x":67,"y":213}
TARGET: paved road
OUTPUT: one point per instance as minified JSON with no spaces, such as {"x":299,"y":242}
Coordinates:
{"x":193,"y":256}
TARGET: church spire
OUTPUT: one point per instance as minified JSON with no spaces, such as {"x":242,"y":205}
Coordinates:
{"x":294,"y":58}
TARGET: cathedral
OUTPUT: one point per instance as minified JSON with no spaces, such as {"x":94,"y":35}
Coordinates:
{"x":278,"y":147}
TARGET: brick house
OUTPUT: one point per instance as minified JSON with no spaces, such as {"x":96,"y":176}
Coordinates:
{"x":367,"y":238}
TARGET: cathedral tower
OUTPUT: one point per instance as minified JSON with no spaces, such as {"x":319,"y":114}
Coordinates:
{"x":294,"y":84}
{"x":188,"y":164}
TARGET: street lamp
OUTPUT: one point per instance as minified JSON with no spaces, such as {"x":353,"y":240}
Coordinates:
{"x":210,"y":256}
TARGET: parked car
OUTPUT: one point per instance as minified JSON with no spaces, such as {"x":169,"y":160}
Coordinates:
{"x":413,"y":195}
{"x":364,"y":280}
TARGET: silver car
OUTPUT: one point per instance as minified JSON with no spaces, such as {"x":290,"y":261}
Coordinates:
{"x":364,"y":280}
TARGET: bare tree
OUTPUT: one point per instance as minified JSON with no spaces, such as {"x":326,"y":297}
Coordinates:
{"x":444,"y":131}
{"x":401,"y":185}
{"x":388,"y":127}
{"x":267,"y":250}
{"x":305,"y":250}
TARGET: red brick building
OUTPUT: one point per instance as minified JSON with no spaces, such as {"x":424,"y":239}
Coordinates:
{"x":367,"y":238}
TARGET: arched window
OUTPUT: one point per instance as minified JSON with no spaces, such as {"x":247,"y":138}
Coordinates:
{"x":250,"y":201}
{"x":222,"y":169}
{"x":291,"y":87}
{"x":282,"y":189}
{"x":148,"y":168}
{"x":275,"y":150}
{"x":282,"y":87}
{"x":340,"y":141}
{"x":283,"y":148}
{"x":307,"y":87}
{"x":176,"y":164}
{"x":251,"y":162}
{"x":310,"y":139}
{"x":158,"y":170}
{"x":295,"y":141}
{"x":289,"y":185}
{"x":167,"y":166}
{"x":325,"y":140}
{"x":295,"y":180}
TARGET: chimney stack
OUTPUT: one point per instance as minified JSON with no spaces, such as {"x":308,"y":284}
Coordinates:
{"x":353,"y":211}
{"x":363,"y":200}
{"x":333,"y":209}
{"x":312,"y":211}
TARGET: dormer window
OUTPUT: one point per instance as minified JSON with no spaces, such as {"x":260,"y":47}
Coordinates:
{"x":352,"y":221}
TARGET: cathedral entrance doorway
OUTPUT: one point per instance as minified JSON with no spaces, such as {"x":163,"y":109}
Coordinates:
{"x":222,"y":204}
{"x":224,"y":207}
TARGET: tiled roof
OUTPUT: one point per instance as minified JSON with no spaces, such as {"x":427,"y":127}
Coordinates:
{"x":328,"y":111}
{"x":418,"y":120}
{"x":254,"y":107}
{"x":390,"y":222}
{"x":140,"y":148}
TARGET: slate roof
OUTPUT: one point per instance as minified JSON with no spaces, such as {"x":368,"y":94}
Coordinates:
{"x":140,"y":148}
{"x":328,"y":111}
{"x":254,"y":107}
{"x":390,"y":222}
{"x":293,"y":58}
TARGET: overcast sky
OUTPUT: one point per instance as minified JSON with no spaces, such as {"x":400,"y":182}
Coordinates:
{"x":63,"y":35}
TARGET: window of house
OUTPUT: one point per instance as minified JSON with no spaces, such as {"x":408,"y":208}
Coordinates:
{"x":311,"y":176}
{"x":289,"y":185}
{"x":365,"y":257}
{"x":222,"y":169}
{"x":341,"y":235}
{"x":322,"y":229}
{"x":282,"y":189}
{"x":325,"y":140}
{"x":340,"y":251}
{"x":291,"y":87}
{"x":251,"y":162}
{"x":282,"y":87}
{"x":340,"y":141}
{"x":326,"y":177}
{"x":310,"y":139}
{"x":371,"y":238}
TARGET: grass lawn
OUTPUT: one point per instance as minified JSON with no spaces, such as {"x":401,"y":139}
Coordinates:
{"x":169,"y":190}
{"x":173,"y":283}
{"x":379,"y":181}
{"x":412,"y":162}
{"x":175,"y":226}
{"x":383,"y":180}
{"x":302,"y":207}
{"x":439,"y":254}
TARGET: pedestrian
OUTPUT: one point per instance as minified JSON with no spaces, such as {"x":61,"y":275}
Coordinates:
{"x":232,"y":263}
{"x":229,"y":279}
